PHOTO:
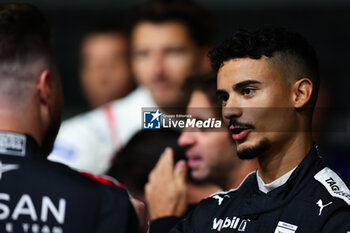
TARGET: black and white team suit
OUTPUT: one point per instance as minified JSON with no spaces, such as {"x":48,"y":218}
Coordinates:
{"x":39,"y":196}
{"x":313,"y":199}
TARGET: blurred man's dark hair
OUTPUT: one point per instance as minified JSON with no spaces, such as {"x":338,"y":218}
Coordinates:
{"x":288,"y":51}
{"x":205,"y":83}
{"x":135,"y":161}
{"x":104,"y":27}
{"x":199,"y":21}
{"x":24,"y":44}
{"x":118,"y":25}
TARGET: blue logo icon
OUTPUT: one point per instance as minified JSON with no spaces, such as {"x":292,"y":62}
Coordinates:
{"x":152,"y":119}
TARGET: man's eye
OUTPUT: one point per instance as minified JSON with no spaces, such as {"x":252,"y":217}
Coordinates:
{"x":222,"y":98}
{"x":175,"y":51}
{"x":248,"y":91}
{"x":140,"y":54}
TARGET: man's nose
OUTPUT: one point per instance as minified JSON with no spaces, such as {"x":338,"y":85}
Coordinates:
{"x":232,"y":109}
{"x":157,"y":64}
{"x":186,"y":139}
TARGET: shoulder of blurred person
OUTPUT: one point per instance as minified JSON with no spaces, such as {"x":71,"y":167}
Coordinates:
{"x":36,"y":193}
{"x":100,"y":207}
{"x":90,"y":140}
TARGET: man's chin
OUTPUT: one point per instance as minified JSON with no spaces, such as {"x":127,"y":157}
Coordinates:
{"x":253,"y":151}
{"x":196,"y":177}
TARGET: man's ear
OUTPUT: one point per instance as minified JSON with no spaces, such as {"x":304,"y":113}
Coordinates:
{"x":43,"y":88}
{"x":302,"y":91}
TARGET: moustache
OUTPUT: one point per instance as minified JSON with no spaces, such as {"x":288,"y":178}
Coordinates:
{"x":236,"y":123}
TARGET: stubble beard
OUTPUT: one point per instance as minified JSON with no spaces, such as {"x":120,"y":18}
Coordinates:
{"x":254,"y":151}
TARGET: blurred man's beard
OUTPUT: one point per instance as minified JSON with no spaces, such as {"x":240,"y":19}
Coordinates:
{"x":254,"y":151}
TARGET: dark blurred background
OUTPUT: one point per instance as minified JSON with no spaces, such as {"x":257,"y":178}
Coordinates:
{"x":325,"y":23}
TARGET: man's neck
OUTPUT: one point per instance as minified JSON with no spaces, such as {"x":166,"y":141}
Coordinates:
{"x":197,"y":192}
{"x":236,"y":176}
{"x":12,"y":123}
{"x":279,"y":160}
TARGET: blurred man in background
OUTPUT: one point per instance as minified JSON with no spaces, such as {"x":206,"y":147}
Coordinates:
{"x":104,"y":65}
{"x":169,"y":42}
{"x":38,"y":195}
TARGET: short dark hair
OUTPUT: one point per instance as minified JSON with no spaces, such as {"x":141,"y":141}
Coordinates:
{"x":24,"y":33}
{"x":199,"y":21}
{"x":136,"y":160}
{"x":103,"y":27}
{"x":110,"y":28}
{"x":25,"y":40}
{"x":290,"y":49}
{"x":205,"y":83}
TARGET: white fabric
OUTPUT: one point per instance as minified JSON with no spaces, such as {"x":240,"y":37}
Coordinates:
{"x":334,"y":184}
{"x":86,"y":142}
{"x":265,"y":188}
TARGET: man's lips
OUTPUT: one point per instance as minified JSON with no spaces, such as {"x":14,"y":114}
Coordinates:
{"x":193,"y":160}
{"x":161,"y":85}
{"x":239,"y":130}
{"x":239,"y":133}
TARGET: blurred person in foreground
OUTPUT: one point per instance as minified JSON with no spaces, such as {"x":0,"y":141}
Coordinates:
{"x":268,"y":82}
{"x":105,"y":73}
{"x":38,"y":195}
{"x":169,"y":41}
{"x":211,"y":157}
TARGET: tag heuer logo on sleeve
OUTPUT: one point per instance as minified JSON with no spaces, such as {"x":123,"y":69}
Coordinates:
{"x":283,"y":227}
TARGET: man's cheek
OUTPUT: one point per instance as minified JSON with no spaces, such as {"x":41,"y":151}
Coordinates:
{"x":225,"y":120}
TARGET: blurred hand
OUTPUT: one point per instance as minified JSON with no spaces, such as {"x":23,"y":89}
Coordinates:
{"x":166,"y":191}
{"x":140,"y":210}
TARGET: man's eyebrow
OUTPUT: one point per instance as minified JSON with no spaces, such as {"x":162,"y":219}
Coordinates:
{"x":239,"y":85}
{"x":221,"y":92}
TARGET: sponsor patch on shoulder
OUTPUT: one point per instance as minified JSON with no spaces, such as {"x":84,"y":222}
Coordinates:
{"x":334,"y":185}
{"x":283,"y":227}
{"x":12,"y":144}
